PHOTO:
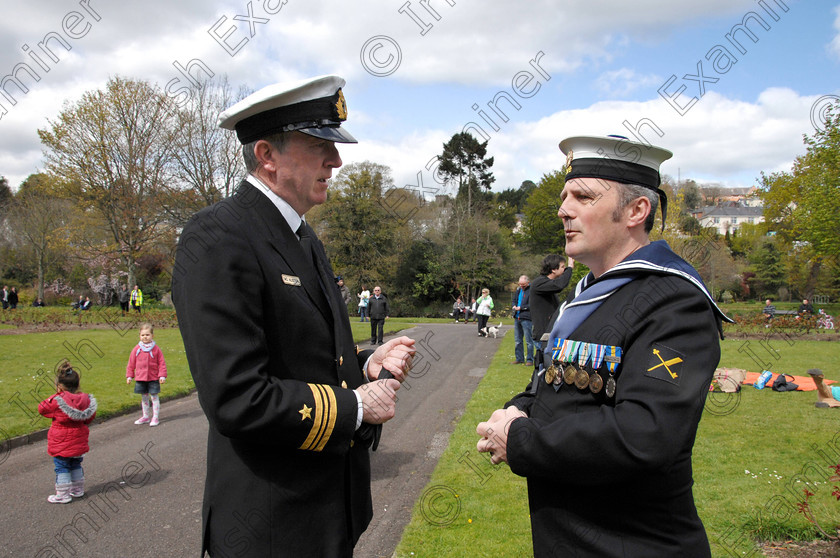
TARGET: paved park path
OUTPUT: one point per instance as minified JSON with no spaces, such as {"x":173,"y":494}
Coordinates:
{"x":144,"y":485}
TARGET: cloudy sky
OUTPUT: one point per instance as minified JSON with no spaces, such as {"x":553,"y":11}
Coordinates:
{"x":729,"y":101}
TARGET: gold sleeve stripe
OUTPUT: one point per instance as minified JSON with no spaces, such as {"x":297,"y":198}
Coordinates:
{"x":325,"y":406}
{"x":316,"y":419}
{"x":323,"y":419}
{"x":332,"y":411}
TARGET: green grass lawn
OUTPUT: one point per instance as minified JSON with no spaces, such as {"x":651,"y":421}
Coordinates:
{"x":755,"y":453}
{"x":471,"y":508}
{"x":758,"y":450}
{"x":28,"y":361}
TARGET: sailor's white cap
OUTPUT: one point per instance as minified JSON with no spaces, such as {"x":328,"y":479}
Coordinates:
{"x":616,"y":158}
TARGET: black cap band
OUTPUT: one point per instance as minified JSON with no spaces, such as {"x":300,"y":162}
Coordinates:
{"x":614,"y":169}
{"x":307,"y":114}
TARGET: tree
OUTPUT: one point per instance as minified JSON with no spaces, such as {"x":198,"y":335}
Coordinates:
{"x":420,"y":273}
{"x":692,"y":197}
{"x":818,"y":173}
{"x":802,"y":205}
{"x":710,"y":194}
{"x":112,"y":151}
{"x":509,"y":202}
{"x":515,"y":197}
{"x":5,"y":195}
{"x":358,"y":230}
{"x":780,"y":194}
{"x":463,"y":162}
{"x":769,"y":269}
{"x":475,"y":250}
{"x":38,"y":220}
{"x":208,"y":159}
{"x":543,"y":229}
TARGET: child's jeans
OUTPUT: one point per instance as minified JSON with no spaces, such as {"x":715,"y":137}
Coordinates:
{"x":68,"y":469}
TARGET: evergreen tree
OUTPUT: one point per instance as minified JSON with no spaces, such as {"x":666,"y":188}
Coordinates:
{"x":542,"y":229}
{"x":464,"y":162}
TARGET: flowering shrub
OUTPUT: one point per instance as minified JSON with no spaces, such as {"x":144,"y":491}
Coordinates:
{"x":60,"y":288}
{"x":758,"y":323}
{"x":105,"y":287}
{"x":59,"y":317}
{"x":804,"y":507}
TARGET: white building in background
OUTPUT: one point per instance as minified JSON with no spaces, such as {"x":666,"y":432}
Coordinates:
{"x":728,"y":217}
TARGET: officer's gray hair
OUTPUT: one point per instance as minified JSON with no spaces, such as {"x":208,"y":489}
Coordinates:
{"x":629,"y":192}
{"x":277,"y":141}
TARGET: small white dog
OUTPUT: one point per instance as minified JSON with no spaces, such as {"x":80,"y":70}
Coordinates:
{"x":492,"y":330}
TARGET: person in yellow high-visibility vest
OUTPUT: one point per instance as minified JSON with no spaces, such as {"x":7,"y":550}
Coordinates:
{"x":136,"y":298}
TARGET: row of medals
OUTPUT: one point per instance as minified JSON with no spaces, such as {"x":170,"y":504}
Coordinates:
{"x":578,"y":376}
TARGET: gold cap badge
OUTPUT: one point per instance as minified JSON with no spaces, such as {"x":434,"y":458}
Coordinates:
{"x":341,"y":106}
{"x":569,"y":157}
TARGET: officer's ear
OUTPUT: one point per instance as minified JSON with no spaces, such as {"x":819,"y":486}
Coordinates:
{"x":264,"y":153}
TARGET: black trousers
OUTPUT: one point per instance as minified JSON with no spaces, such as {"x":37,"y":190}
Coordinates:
{"x":377,"y":326}
{"x":482,"y":323}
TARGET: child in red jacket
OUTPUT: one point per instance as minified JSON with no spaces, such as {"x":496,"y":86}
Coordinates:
{"x":147,"y":366}
{"x":67,"y":440}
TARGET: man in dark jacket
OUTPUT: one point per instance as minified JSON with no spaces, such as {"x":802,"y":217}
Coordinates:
{"x":289,"y":398}
{"x":554,"y":277}
{"x":604,"y":434}
{"x":123,"y":297}
{"x":378,"y":310}
{"x":520,"y":304}
{"x":342,"y":288}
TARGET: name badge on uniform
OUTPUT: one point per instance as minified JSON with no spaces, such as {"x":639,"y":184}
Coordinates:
{"x":292,"y":280}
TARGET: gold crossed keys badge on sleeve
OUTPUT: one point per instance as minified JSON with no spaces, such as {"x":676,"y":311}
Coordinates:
{"x":665,"y":364}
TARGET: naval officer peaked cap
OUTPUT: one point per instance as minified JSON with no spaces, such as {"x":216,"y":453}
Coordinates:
{"x":616,"y":158}
{"x":313,"y":106}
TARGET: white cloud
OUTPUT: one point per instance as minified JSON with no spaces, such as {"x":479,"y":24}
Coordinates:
{"x":473,"y":45}
{"x":620,"y":83}
{"x":719,"y":139}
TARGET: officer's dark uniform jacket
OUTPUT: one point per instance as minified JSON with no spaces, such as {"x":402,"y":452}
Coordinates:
{"x":274,"y":363}
{"x":611,"y":476}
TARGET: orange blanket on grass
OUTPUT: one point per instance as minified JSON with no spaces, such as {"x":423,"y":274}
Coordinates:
{"x":805,"y":383}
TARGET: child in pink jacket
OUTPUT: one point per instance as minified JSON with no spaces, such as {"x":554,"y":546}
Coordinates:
{"x":147,"y":366}
{"x":67,"y":440}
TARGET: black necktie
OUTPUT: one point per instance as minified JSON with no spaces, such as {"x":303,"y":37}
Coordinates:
{"x":306,"y":244}
{"x":305,"y":240}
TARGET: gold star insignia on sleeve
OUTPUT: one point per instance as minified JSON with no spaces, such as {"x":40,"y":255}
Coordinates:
{"x":323,"y":418}
{"x":305,"y":413}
